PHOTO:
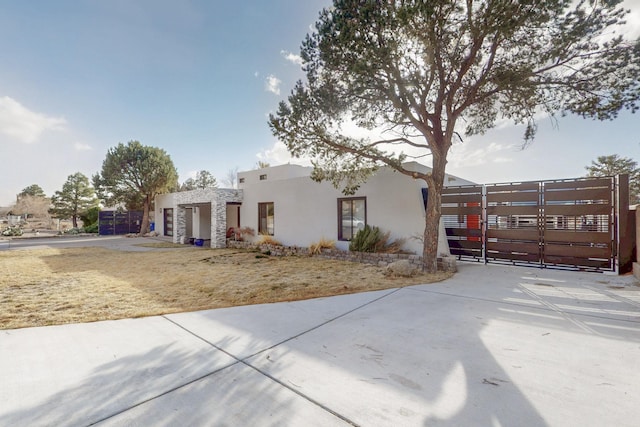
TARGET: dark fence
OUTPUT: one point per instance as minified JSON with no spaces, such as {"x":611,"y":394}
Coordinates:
{"x":115,"y":223}
{"x":564,"y":223}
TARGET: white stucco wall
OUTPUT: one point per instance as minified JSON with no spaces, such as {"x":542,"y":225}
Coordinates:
{"x":163,"y":201}
{"x":306,"y":211}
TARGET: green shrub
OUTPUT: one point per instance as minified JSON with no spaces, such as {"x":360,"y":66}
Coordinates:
{"x":93,"y":228}
{"x":90,"y":217}
{"x":372,"y":239}
{"x":366,"y":239}
{"x":12,"y":231}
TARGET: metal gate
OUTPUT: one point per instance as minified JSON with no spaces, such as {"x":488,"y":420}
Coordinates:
{"x":560,"y":223}
{"x":116,"y":223}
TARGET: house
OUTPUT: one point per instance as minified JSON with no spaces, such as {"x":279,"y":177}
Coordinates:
{"x":284,"y":202}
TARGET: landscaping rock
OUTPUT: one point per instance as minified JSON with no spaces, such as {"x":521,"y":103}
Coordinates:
{"x":401,"y":268}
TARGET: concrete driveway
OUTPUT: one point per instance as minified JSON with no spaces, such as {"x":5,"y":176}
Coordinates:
{"x":494,"y":346}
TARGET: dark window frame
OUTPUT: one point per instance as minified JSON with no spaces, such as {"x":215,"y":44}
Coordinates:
{"x":353,"y":228}
{"x":263,"y":208}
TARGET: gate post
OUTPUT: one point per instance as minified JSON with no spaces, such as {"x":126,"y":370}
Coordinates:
{"x":624,"y":234}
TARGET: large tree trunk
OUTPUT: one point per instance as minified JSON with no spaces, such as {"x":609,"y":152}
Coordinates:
{"x":434,"y":211}
{"x":144,"y":227}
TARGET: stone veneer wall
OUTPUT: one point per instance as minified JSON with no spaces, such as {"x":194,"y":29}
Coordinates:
{"x":379,"y":259}
{"x":218,"y":198}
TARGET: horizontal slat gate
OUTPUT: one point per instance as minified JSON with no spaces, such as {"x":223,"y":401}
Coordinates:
{"x":562,"y":223}
{"x":513,"y":218}
{"x":579,"y":223}
{"x":117,"y":223}
{"x":462,"y":216}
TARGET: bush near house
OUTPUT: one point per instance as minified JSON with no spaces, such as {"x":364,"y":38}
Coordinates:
{"x":317,"y":247}
{"x":266,"y":239}
{"x":372,"y":239}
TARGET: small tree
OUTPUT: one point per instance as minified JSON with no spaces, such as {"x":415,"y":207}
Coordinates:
{"x":32,"y":206}
{"x":76,"y":198}
{"x":231,"y":179}
{"x":203,"y":179}
{"x":262,"y":165}
{"x":615,"y":165}
{"x":420,"y":70}
{"x":133,"y":173}
{"x":90,"y":217}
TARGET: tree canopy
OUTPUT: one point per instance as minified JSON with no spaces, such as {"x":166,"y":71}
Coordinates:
{"x":33,"y":190}
{"x":133,"y":173}
{"x":613,"y":165}
{"x":203,"y":179}
{"x":422,"y":73}
{"x":31,"y":206}
{"x":75,"y":199}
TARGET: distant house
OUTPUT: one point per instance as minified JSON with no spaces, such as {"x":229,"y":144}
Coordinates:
{"x":283,"y":201}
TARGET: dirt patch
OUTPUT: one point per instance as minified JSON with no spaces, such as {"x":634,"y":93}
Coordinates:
{"x":58,"y":286}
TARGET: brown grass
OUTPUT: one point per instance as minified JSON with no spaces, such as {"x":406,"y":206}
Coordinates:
{"x":58,"y":286}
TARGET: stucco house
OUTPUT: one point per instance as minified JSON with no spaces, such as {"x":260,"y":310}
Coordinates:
{"x":283,"y":201}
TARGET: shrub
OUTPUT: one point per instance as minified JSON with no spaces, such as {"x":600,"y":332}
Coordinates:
{"x":239,"y":234}
{"x":12,"y":231}
{"x":90,"y":217}
{"x":316,"y":248}
{"x":372,"y":239}
{"x":93,"y":228}
{"x":266,"y":239}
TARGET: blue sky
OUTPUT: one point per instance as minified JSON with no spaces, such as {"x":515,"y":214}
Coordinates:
{"x":198,"y":79}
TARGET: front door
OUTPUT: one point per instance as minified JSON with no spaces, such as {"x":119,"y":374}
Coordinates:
{"x":168,"y":222}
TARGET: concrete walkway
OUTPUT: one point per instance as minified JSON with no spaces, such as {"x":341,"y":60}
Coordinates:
{"x":494,"y":346}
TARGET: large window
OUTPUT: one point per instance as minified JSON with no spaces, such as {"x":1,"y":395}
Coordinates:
{"x":265,"y":218}
{"x":352,"y":216}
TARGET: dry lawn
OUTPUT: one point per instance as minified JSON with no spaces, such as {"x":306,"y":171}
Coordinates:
{"x":58,"y":286}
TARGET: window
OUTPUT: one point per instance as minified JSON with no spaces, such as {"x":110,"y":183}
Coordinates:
{"x":263,"y":177}
{"x":241,"y":180}
{"x":352,"y":216}
{"x":265,"y":218}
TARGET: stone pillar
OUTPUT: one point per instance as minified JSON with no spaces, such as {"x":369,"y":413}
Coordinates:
{"x":179,"y":225}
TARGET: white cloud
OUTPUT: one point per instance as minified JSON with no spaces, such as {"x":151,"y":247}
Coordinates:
{"x":279,"y":155}
{"x":24,"y":125}
{"x":256,"y":74}
{"x":468,"y":154}
{"x":272,"y":84}
{"x":82,"y":147}
{"x":291,"y":57}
